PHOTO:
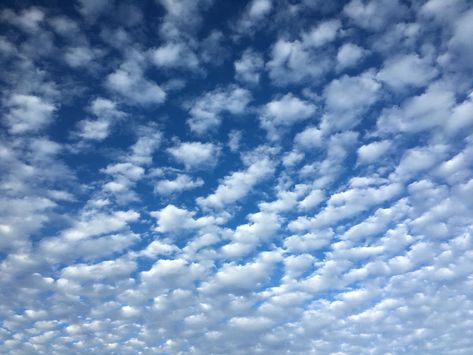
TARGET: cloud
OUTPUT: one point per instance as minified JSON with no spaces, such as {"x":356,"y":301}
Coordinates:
{"x":206,"y":111}
{"x":285,"y":112}
{"x":348,"y":97}
{"x":254,"y":16}
{"x":91,"y":10}
{"x":237,"y":185}
{"x":28,"y":113}
{"x":370,"y":153}
{"x":407,"y":71}
{"x":418,"y":113}
{"x":129,"y":82}
{"x":293,"y":62}
{"x":182,"y":17}
{"x":175,"y":55}
{"x":181,"y":183}
{"x":28,"y":20}
{"x":327,"y":199}
{"x":324,"y":33}
{"x":174,"y":219}
{"x":374,"y":15}
{"x":309,"y":138}
{"x":349,"y":55}
{"x":195,"y":155}
{"x":98,"y":129}
{"x":249,"y":67}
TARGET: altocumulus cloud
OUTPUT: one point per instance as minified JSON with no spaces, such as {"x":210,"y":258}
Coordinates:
{"x":236,"y":177}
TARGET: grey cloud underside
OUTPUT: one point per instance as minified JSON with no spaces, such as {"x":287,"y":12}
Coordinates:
{"x":315,"y":199}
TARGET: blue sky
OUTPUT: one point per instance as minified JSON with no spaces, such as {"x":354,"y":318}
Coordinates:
{"x":236,"y":177}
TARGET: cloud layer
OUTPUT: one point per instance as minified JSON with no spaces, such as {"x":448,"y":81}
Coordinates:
{"x":257,"y":177}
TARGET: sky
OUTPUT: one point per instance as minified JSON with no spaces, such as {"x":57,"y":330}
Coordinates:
{"x":236,"y":177}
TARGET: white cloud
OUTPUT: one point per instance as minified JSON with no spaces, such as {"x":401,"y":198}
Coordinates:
{"x":110,"y":269}
{"x":182,"y":18}
{"x":175,"y":55}
{"x":237,"y":185}
{"x":181,"y":183}
{"x":349,"y":55}
{"x":462,"y":116}
{"x":313,"y":199}
{"x":106,"y":113}
{"x":247,"y":237}
{"x":348,"y":97}
{"x":294,"y":62}
{"x":240,"y":278}
{"x":195,"y":155}
{"x":206,"y":111}
{"x":174,"y":219}
{"x":254,"y":16}
{"x":171,"y":274}
{"x":129,"y":82}
{"x":79,"y":56}
{"x":29,"y":20}
{"x":324,"y":33}
{"x":91,"y":9}
{"x":346,"y":204}
{"x":285,"y":112}
{"x":370,"y":153}
{"x":407,"y":71}
{"x":459,"y":45}
{"x":418,"y":113}
{"x":259,"y":8}
{"x":249,"y":67}
{"x":305,"y":244}
{"x":374,"y":15}
{"x":28,"y":113}
{"x":309,"y":138}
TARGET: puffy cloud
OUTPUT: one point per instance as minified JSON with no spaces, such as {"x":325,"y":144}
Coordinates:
{"x":206,"y":111}
{"x":93,"y":9}
{"x":363,"y":229}
{"x":28,"y":113}
{"x":28,"y":20}
{"x":459,"y":44}
{"x":106,"y":112}
{"x":347,"y":204}
{"x":313,"y":199}
{"x":195,"y":155}
{"x":181,"y":183}
{"x":349,"y":55}
{"x":293,"y":62}
{"x":247,"y":237}
{"x":174,"y":219}
{"x":370,"y":153}
{"x":285,"y":112}
{"x":309,"y":138}
{"x":237,"y":185}
{"x":175,"y":55}
{"x":418,"y":113}
{"x":324,"y":33}
{"x":254,"y":15}
{"x":110,"y":270}
{"x":249,"y":67}
{"x":374,"y":15}
{"x":407,"y":71}
{"x":239,"y":279}
{"x":129,"y":82}
{"x":348,"y":97}
{"x":182,"y":17}
{"x":171,"y":274}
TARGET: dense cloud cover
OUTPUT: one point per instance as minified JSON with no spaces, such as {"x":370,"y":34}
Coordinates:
{"x":236,"y":177}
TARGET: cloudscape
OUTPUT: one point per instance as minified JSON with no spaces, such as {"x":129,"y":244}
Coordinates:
{"x":236,"y":177}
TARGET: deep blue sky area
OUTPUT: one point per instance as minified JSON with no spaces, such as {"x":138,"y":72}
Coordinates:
{"x":236,"y":177}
